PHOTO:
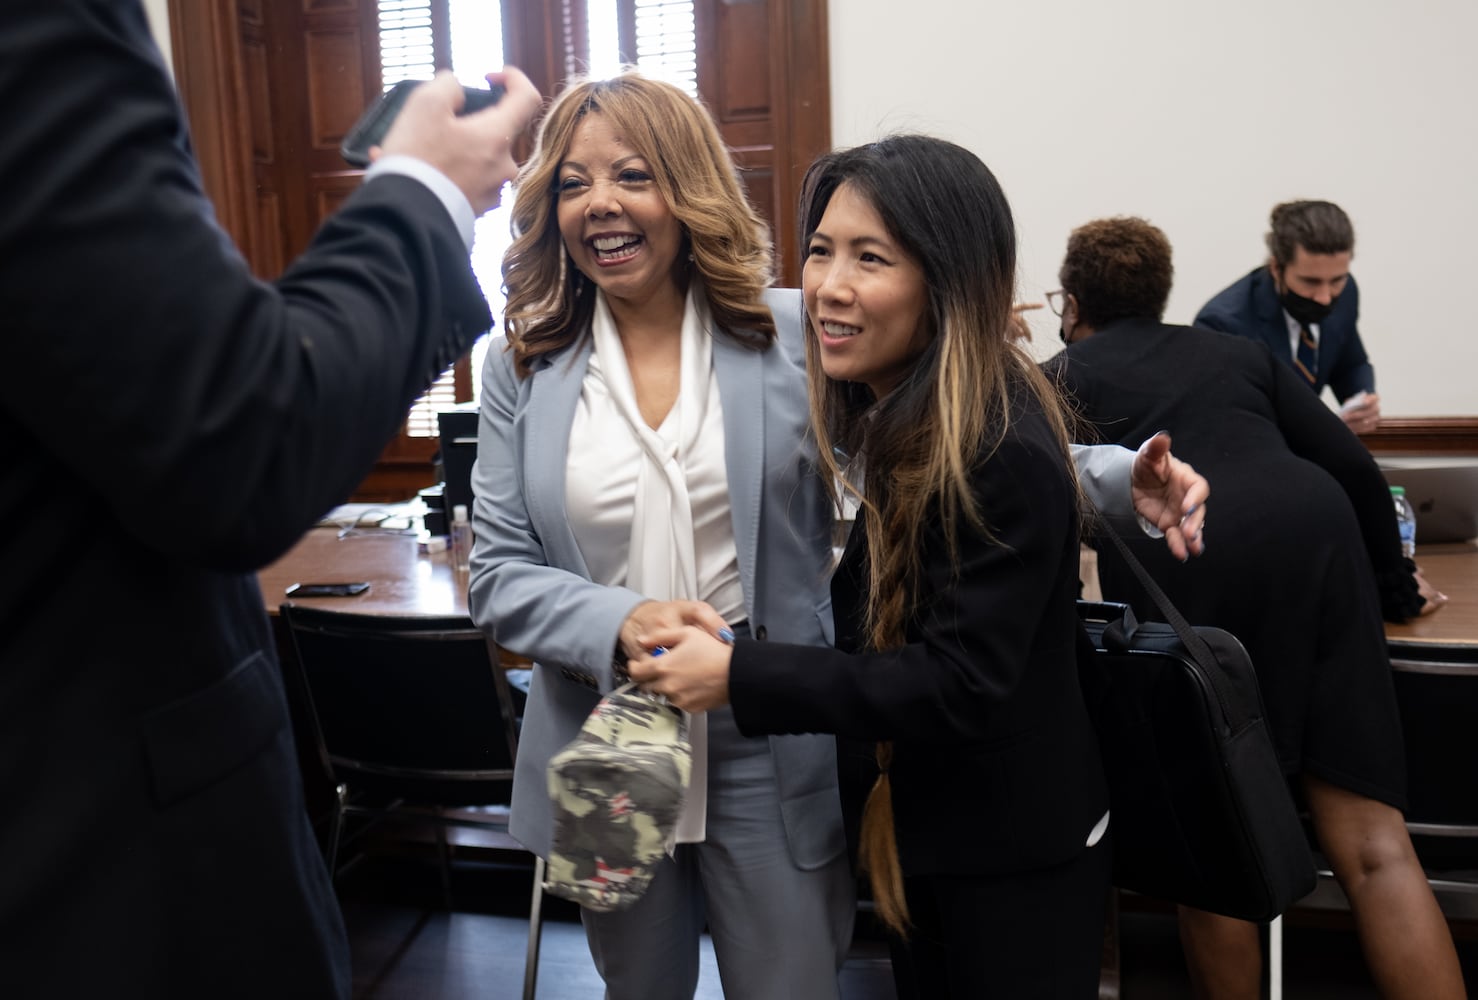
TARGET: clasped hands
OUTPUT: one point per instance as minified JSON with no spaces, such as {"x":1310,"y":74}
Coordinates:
{"x":674,"y":649}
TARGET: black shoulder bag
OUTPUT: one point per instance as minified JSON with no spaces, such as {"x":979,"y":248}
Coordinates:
{"x":1201,"y":812}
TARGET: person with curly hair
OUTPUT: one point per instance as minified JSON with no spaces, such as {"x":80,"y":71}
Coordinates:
{"x":1306,"y":560}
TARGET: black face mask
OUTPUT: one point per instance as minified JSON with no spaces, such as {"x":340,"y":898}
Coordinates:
{"x":1304,"y":310}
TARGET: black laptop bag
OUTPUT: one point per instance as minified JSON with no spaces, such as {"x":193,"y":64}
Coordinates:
{"x":1200,"y":809}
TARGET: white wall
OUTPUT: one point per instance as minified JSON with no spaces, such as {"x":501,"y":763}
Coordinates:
{"x":1200,"y":117}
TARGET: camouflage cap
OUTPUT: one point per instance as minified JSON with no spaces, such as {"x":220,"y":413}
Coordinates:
{"x":617,"y":791}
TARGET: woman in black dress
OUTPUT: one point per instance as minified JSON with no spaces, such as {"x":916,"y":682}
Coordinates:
{"x":1304,"y":563}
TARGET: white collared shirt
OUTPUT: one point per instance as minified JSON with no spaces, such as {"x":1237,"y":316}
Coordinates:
{"x":1294,"y":331}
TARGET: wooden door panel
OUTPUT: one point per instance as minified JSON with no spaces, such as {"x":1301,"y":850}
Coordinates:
{"x":336,"y":91}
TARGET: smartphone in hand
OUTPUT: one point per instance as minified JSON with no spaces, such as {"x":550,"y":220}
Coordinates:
{"x":372,"y":126}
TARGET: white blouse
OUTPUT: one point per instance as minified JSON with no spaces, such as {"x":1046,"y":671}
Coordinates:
{"x":650,"y":508}
{"x":601,"y":478}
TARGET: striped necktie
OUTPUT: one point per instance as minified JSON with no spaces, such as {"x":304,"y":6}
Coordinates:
{"x":1306,"y":358}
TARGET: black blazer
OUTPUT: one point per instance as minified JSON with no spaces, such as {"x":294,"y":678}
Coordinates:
{"x":171,"y":424}
{"x":996,"y":765}
{"x":1250,"y":308}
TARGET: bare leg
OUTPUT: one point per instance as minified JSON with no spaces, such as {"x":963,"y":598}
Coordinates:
{"x":1222,"y":954}
{"x":1402,"y":931}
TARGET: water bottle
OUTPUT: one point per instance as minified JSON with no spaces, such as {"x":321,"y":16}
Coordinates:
{"x":1405,"y":520}
{"x":461,"y":532}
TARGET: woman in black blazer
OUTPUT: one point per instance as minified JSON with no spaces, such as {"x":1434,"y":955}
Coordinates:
{"x":985,"y":834}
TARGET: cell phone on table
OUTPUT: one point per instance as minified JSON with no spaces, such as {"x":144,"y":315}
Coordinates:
{"x":327,"y":589}
{"x":372,"y":126}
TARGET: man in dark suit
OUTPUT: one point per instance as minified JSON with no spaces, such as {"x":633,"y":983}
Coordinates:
{"x":1304,"y":305}
{"x":170,"y":425}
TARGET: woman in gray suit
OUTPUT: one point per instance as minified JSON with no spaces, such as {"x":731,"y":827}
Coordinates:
{"x":644,"y":461}
{"x":641,"y":450}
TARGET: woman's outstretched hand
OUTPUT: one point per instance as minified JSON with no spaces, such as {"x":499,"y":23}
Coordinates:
{"x":1171,"y":495}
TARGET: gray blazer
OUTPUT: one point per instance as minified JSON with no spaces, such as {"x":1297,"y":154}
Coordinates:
{"x":531,"y":591}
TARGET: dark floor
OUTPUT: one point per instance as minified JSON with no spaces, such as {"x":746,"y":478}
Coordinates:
{"x":408,"y":946}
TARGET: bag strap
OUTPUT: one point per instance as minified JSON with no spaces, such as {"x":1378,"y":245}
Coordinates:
{"x":1194,"y":644}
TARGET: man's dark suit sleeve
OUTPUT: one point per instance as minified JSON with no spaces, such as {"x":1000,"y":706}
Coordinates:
{"x":140,"y":352}
{"x":1352,"y":370}
{"x":1212,"y":318}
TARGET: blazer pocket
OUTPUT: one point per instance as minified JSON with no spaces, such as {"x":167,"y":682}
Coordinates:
{"x":200,"y":738}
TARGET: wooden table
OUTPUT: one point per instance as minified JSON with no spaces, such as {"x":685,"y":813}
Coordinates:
{"x":403,"y":580}
{"x":1450,"y":633}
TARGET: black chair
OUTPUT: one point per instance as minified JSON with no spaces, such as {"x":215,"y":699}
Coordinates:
{"x":1438,"y":697}
{"x":1437,"y":694}
{"x":415,"y":718}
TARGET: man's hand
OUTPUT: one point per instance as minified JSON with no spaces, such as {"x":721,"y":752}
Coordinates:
{"x":1361,"y":412}
{"x":691,"y":670}
{"x":1171,"y":495}
{"x":474,"y":151}
{"x":665,"y":616}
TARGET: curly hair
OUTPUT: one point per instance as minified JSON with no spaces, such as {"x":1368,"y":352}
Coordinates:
{"x":1117,"y":269}
{"x":1317,"y":226}
{"x":549,"y":304}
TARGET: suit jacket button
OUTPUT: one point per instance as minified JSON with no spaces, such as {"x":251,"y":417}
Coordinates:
{"x":760,"y":633}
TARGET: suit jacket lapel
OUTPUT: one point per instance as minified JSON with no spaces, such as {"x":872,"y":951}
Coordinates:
{"x":554,"y":392}
{"x":741,"y":387}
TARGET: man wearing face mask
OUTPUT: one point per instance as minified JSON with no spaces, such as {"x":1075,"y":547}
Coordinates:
{"x":1304,"y":305}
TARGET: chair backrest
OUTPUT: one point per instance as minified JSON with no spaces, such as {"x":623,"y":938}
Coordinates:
{"x":414,"y":707}
{"x":1438,"y":698}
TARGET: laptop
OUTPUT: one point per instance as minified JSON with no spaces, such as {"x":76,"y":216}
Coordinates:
{"x":1443,"y":491}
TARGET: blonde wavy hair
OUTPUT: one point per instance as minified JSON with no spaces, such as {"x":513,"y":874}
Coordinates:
{"x":549,"y":304}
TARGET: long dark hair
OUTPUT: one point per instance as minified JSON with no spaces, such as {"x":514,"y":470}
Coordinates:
{"x":918,"y":445}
